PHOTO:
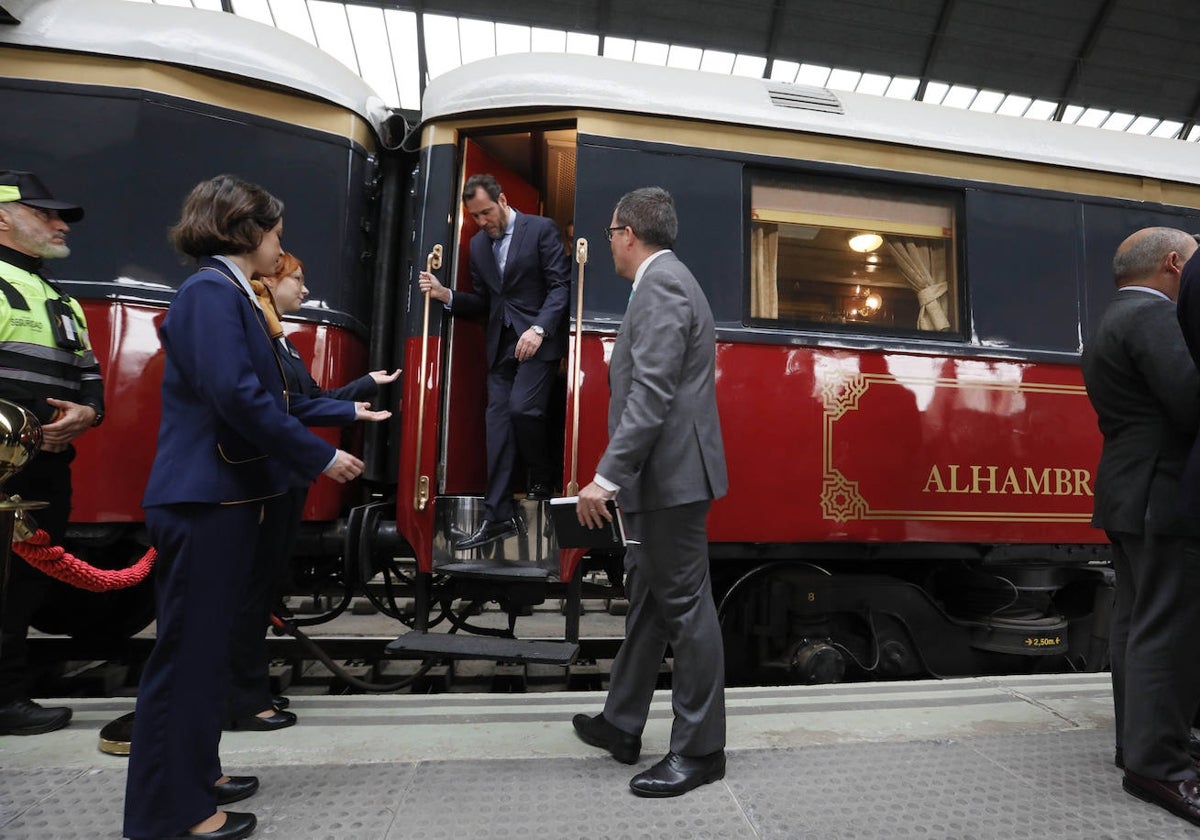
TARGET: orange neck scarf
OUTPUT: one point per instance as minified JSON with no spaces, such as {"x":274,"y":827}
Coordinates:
{"x":274,"y":327}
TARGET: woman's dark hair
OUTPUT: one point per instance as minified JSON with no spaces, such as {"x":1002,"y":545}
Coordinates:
{"x":225,"y":215}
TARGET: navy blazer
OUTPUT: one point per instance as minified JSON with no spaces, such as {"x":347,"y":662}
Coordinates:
{"x":226,"y":435}
{"x":535,"y":289}
{"x":299,"y":381}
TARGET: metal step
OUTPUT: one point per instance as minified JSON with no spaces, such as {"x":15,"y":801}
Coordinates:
{"x":493,"y":571}
{"x":457,"y":646}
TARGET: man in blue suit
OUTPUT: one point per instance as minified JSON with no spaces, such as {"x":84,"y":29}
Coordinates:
{"x":520,"y":277}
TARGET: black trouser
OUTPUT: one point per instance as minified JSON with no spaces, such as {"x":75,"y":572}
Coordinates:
{"x":1156,"y":620}
{"x":46,"y":478}
{"x":249,"y":682}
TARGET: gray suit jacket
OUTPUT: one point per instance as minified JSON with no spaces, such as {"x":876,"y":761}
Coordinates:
{"x":665,"y":444}
{"x":1146,"y":392}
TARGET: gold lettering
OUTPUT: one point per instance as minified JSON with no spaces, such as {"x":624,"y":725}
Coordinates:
{"x":985,"y":479}
{"x":1033,"y":486}
{"x":935,"y":479}
{"x":977,"y":479}
{"x":954,"y":488}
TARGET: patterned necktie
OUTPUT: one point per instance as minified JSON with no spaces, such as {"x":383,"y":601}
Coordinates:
{"x":496,"y":243}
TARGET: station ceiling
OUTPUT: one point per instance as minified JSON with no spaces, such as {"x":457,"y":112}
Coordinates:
{"x":1121,"y":64}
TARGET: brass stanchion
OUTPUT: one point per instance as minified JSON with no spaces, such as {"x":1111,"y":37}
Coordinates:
{"x":20,"y":437}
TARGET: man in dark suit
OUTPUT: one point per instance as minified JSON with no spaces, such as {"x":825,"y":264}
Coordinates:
{"x":521,"y":279}
{"x":1146,"y":393}
{"x":665,"y":463}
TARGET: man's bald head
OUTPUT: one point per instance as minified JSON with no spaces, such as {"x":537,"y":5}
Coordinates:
{"x":1145,"y":257}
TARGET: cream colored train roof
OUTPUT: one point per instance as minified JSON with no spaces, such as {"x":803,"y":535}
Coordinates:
{"x":194,"y":38}
{"x":552,"y":81}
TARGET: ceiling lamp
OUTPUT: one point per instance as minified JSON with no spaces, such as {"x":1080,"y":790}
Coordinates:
{"x":865,"y":242}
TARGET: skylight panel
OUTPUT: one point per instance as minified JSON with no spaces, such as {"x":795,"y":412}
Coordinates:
{"x":716,"y":61}
{"x":651,"y":52}
{"x":619,"y":48}
{"x":685,"y":58}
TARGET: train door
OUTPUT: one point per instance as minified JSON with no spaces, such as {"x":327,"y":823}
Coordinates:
{"x":535,"y":168}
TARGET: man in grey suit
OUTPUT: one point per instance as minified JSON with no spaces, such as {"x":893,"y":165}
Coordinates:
{"x":1146,"y":392}
{"x":665,"y":463}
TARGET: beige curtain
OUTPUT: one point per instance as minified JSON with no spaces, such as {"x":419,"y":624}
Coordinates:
{"x":923,"y":265}
{"x":764,"y":271}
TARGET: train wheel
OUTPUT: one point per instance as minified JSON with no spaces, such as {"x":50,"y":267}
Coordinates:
{"x":100,"y":616}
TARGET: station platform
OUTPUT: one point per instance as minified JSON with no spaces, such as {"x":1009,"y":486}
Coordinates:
{"x":982,"y":758}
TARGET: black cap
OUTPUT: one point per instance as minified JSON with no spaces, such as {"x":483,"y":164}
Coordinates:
{"x":27,"y":188}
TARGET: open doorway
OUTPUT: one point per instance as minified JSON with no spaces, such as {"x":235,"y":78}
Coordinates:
{"x":535,"y":166}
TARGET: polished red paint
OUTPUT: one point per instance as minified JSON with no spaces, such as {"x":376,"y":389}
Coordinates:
{"x":419,"y":447}
{"x":841,"y":445}
{"x":114,"y":460}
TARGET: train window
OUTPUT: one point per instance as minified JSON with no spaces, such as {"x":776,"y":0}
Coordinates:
{"x":861,"y":256}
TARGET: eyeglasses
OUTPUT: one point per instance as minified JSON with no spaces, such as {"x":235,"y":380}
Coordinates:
{"x":608,"y":231}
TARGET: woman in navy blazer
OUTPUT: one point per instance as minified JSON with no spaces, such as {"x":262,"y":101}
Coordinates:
{"x":226,"y":444}
{"x":251,"y":704}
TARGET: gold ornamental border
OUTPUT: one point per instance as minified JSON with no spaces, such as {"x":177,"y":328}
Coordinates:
{"x":841,"y":499}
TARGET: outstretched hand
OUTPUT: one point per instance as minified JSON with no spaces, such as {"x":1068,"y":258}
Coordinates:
{"x":362,"y":411}
{"x":382,"y":377}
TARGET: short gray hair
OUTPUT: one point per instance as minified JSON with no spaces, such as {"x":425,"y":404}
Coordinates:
{"x":1142,"y":257}
{"x":650,"y":211}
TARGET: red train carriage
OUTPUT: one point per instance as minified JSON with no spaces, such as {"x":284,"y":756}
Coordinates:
{"x":901,"y":293}
{"x":128,"y":106}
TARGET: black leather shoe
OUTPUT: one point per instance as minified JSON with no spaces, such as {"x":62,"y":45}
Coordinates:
{"x":237,"y":826}
{"x":489,"y":532}
{"x":236,"y":789}
{"x":1181,"y":798}
{"x":254,"y":723}
{"x":280,"y":702}
{"x":116,"y":735}
{"x":677,"y":774}
{"x":598,"y":732}
{"x":24,"y":717}
{"x":539,"y":491}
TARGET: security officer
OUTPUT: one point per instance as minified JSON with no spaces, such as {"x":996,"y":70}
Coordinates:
{"x":47,"y":366}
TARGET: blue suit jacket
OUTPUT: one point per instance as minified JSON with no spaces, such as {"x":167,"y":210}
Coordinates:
{"x":535,"y":288}
{"x":226,"y":435}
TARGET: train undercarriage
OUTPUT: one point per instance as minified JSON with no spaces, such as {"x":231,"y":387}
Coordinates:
{"x":798,"y":614}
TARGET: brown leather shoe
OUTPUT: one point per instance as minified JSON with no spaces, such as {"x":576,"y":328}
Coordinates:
{"x":1181,"y":798}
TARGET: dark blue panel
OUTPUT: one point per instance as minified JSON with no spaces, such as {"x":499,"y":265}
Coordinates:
{"x":1106,"y":227}
{"x":1023,"y":271}
{"x":708,"y":200}
{"x":130,"y":158}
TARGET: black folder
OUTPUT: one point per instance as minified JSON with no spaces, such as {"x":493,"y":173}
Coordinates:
{"x":570,"y":534}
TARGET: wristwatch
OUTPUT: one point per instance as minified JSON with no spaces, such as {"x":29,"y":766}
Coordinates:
{"x":99,"y":417}
{"x":541,"y":332}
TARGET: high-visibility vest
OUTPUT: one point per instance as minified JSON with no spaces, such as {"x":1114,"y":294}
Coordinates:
{"x":32,"y":364}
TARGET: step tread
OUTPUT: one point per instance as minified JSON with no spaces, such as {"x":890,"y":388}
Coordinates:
{"x":459,"y":646}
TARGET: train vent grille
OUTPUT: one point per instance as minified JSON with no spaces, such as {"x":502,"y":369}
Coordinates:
{"x":804,"y":98}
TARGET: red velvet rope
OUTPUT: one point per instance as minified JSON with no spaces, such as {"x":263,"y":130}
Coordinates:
{"x":54,"y":561}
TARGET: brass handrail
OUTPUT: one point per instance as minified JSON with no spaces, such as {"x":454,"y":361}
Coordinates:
{"x":581,"y":257}
{"x":421,"y":482}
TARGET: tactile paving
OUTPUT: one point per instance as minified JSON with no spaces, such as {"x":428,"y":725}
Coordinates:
{"x":838,"y":767}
